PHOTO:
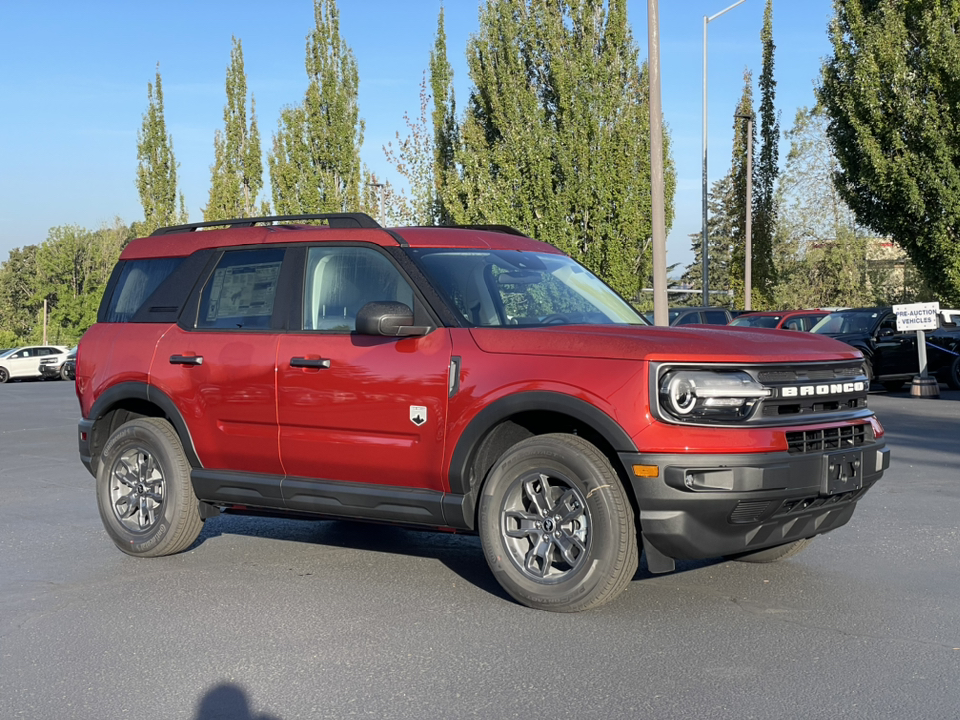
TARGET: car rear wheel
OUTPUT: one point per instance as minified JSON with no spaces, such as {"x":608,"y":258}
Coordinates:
{"x":953,"y":379}
{"x":64,"y":372}
{"x":556,"y":526}
{"x":774,"y":554}
{"x":144,"y":493}
{"x":4,"y":375}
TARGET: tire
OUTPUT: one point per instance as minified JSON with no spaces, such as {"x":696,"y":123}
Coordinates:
{"x":953,"y":379}
{"x":774,"y":554}
{"x":893,"y":385}
{"x":867,"y":369}
{"x":556,"y":526}
{"x":4,"y":375}
{"x":144,"y":493}
{"x":64,"y":375}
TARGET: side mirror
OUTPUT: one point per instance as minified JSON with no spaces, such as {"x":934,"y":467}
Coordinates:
{"x":886,"y":332}
{"x":393,"y":319}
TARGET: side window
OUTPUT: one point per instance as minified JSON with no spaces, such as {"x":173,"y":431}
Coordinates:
{"x":689,"y":319}
{"x":888,"y":323}
{"x":138,"y":280}
{"x":240,"y":292}
{"x":341,"y":280}
{"x":715,"y":317}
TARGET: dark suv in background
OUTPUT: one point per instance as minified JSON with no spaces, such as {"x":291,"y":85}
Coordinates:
{"x":465,"y":378}
{"x":889,"y":355}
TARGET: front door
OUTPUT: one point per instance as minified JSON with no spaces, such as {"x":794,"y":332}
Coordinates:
{"x":360,"y":408}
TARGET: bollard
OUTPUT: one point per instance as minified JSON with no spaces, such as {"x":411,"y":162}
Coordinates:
{"x":925,"y":387}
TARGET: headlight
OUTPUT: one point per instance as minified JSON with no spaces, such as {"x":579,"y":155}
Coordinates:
{"x":693,"y":395}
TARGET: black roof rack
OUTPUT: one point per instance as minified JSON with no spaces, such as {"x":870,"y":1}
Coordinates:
{"x":334,"y":220}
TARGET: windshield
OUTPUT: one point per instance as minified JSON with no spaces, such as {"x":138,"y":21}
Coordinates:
{"x":490,"y":288}
{"x":758,"y":321}
{"x":847,"y":321}
{"x":4,"y":353}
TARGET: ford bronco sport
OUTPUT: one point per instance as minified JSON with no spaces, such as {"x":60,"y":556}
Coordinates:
{"x":471,"y":379}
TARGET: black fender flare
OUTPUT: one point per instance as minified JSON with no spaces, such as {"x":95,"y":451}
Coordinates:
{"x":133,"y":390}
{"x":469,"y":441}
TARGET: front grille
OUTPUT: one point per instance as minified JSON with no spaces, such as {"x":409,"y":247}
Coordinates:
{"x":827,"y":439}
{"x":801,"y":505}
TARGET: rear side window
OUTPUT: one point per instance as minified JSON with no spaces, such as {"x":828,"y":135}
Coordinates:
{"x":138,"y":279}
{"x":241,"y":290}
{"x":716,"y":317}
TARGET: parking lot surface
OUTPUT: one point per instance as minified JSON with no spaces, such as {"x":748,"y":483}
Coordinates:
{"x":272,"y":619}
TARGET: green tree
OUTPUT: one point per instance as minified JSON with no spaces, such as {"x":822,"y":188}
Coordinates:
{"x":237,"y":172}
{"x":413,"y":158}
{"x":736,"y":209}
{"x":315,"y":162}
{"x":721,"y":224}
{"x":445,"y":129}
{"x":18,"y":295}
{"x":157,"y":167}
{"x":890,"y":90}
{"x":555,"y":140}
{"x":764,"y":219}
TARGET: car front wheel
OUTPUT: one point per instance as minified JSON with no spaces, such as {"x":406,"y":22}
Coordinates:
{"x":953,"y":379}
{"x":556,"y":526}
{"x":144,"y":493}
{"x":4,"y":375}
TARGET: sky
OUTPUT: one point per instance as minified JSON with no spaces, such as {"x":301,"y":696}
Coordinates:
{"x":73,"y":90}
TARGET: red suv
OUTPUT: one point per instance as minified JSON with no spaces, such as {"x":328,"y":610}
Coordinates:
{"x":465,"y":378}
{"x":802,"y":320}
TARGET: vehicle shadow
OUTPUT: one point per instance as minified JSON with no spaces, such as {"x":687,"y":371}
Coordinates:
{"x":227,"y":702}
{"x":459,"y":553}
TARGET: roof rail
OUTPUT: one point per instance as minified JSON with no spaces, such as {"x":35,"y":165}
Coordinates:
{"x":334,"y":220}
{"x":492,"y":228}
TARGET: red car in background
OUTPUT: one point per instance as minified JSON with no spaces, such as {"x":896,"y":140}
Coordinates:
{"x":802,"y":320}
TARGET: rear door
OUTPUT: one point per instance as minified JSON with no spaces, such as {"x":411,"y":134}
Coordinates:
{"x":218,"y":364}
{"x":359,"y":408}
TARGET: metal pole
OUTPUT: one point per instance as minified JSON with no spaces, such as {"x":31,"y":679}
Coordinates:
{"x":703,"y":246}
{"x":658,"y":222}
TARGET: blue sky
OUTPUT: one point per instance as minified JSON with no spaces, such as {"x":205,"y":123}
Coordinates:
{"x":73,"y":80}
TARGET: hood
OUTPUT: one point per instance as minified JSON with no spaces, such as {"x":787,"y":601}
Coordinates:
{"x":703,"y":343}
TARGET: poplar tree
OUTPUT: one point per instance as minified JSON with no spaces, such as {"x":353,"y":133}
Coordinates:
{"x":555,"y":139}
{"x":315,"y":161}
{"x":236,"y":176}
{"x":764,"y":220}
{"x":737,"y":204}
{"x":157,"y":167}
{"x":445,"y":130}
{"x":890,"y":90}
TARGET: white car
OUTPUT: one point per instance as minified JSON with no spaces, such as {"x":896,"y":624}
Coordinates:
{"x":25,"y":362}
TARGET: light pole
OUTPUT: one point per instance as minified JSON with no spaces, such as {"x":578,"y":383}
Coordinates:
{"x":748,"y":237}
{"x":703,"y":248}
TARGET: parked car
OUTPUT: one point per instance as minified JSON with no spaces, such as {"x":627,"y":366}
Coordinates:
{"x":68,"y":370}
{"x":802,"y":320}
{"x":465,"y":378}
{"x":25,"y":361}
{"x":696,"y":316}
{"x":890,"y":356}
{"x":50,"y":369}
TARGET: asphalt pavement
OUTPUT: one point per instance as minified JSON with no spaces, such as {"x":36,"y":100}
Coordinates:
{"x":266,"y":619}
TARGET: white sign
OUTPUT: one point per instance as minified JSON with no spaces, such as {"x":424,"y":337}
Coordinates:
{"x":917,"y":316}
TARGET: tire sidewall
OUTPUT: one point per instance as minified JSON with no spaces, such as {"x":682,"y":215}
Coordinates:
{"x":597,"y":486}
{"x":953,"y":380}
{"x":140,"y":434}
{"x":4,"y":375}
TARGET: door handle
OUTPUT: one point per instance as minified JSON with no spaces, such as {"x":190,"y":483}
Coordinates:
{"x":302,"y":362}
{"x":186,"y":359}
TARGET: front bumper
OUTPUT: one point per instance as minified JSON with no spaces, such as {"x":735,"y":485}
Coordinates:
{"x":702,"y":506}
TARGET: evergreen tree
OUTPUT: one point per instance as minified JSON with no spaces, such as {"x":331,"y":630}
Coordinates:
{"x":555,"y":140}
{"x":890,"y":91}
{"x":237,"y":172}
{"x":721,"y":224}
{"x":157,"y":167}
{"x":764,"y":219}
{"x":315,"y":162}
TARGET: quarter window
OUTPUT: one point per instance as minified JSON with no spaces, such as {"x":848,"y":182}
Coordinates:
{"x":138,"y":280}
